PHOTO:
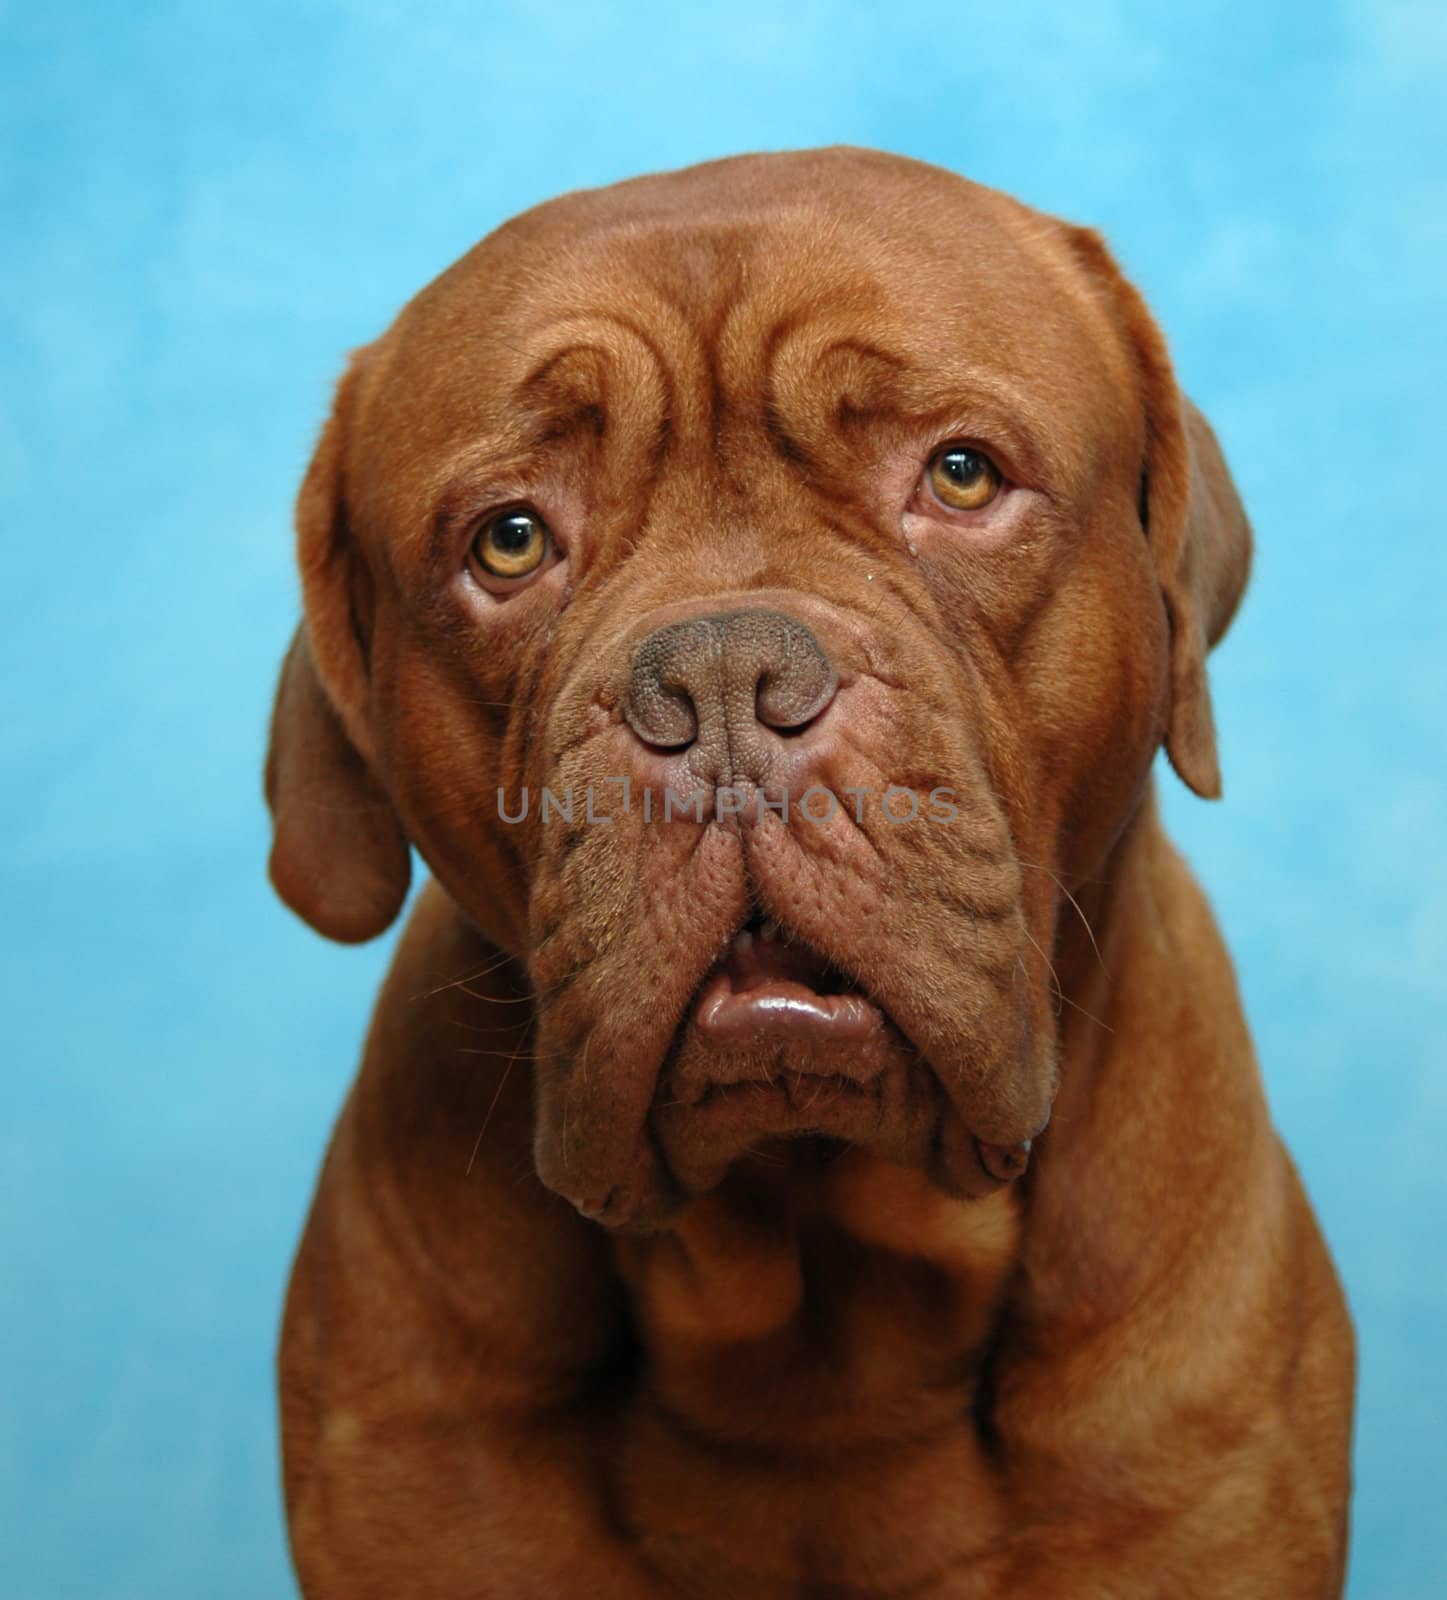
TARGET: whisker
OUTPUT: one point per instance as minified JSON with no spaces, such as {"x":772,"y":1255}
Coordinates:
{"x":1036,"y":866}
{"x":1049,"y":965}
{"x":496,"y":1096}
{"x":525,"y":1053}
{"x":1084,"y":920}
{"x":467,"y":977}
{"x":1076,"y":1006}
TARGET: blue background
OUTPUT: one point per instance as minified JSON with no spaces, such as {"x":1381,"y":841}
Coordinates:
{"x":204,"y":206}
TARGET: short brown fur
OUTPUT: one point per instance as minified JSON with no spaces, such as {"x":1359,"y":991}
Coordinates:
{"x":1126,"y":1373}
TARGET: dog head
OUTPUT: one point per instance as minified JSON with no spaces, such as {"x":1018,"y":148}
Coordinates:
{"x":758,"y":592}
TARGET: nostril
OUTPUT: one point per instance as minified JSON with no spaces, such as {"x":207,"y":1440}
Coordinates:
{"x":662,"y":717}
{"x":790,"y":702}
{"x":668,"y":670}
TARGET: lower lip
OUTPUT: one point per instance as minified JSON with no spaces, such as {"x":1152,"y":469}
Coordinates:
{"x":783,"y":1010}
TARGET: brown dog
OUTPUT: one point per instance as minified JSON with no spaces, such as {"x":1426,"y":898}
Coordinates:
{"x":693,"y":1227}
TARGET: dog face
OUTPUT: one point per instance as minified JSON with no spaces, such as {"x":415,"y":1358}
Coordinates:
{"x":758,"y":593}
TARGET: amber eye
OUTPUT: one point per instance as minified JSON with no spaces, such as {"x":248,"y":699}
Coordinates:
{"x":963,"y":479}
{"x":513,"y":545}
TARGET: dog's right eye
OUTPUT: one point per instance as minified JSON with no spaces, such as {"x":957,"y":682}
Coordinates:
{"x":509,"y":547}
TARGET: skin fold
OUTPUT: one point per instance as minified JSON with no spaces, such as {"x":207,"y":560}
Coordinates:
{"x":995,"y":1281}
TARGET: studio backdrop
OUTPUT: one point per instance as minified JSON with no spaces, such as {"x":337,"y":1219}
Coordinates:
{"x":205,"y":207}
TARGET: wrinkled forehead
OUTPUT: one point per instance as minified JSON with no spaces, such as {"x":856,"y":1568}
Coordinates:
{"x":646,"y":312}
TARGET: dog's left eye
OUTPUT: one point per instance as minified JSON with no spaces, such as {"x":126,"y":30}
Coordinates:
{"x":963,"y":479}
{"x":511,"y":546}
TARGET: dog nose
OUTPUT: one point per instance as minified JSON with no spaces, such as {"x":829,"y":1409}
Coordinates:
{"x":722,"y":686}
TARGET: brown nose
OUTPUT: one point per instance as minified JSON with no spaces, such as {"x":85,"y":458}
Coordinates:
{"x":724,"y":687}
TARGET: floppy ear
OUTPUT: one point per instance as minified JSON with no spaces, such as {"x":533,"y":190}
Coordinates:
{"x":1192,"y":515}
{"x":339,"y":857}
{"x":1203,"y":554}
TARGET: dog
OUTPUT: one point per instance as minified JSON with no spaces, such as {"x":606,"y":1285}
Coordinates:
{"x":808,"y":1143}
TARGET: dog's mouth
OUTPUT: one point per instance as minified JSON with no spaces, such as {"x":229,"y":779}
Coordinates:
{"x":778,"y":1048}
{"x":768,"y":988}
{"x":779,"y":1043}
